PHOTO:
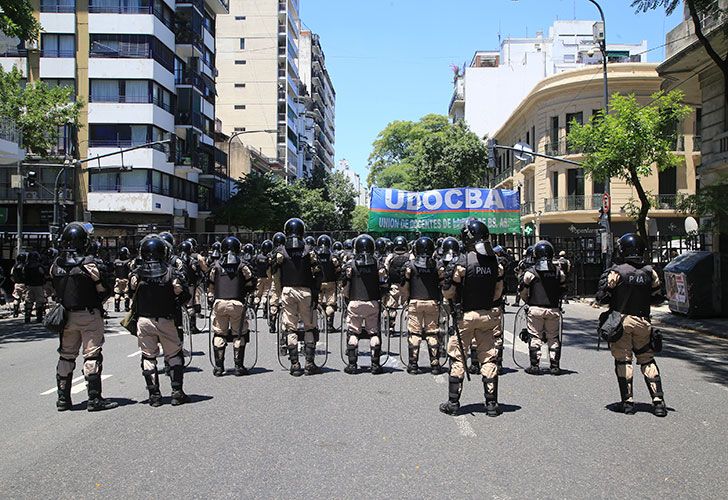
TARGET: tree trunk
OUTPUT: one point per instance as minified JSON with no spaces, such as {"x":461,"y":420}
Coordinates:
{"x":644,"y":207}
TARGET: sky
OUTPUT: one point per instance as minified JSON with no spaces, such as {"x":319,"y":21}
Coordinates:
{"x":390,"y":59}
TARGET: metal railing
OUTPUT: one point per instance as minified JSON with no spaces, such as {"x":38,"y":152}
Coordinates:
{"x":665,"y":202}
{"x":528,"y":207}
{"x":697,"y":143}
{"x":147,"y":99}
{"x":57,"y":7}
{"x":575,"y":202}
{"x":56,"y":53}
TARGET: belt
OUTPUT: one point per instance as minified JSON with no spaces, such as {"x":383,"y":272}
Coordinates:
{"x":76,"y":309}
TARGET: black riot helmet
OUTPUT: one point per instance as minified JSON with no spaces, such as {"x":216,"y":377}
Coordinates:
{"x":124,"y":253}
{"x":424,"y":248}
{"x":295,"y":230}
{"x":543,"y":255}
{"x":310,"y":241}
{"x":186,"y":247}
{"x":168,"y":237}
{"x":390,"y":246}
{"x":364,"y":250}
{"x":230,"y":245}
{"x":348,"y":244}
{"x":21,"y":258}
{"x":266,"y":247}
{"x":193,"y":242}
{"x":154,"y":249}
{"x":631,"y":248}
{"x":325,"y":241}
{"x":215,"y":247}
{"x":450,"y":248}
{"x":337,"y":246}
{"x":33,"y":257}
{"x":381,"y":245}
{"x":474,"y":231}
{"x":279,"y":239}
{"x":248,"y":251}
{"x":75,"y":237}
{"x":399,"y":244}
{"x":94,"y":247}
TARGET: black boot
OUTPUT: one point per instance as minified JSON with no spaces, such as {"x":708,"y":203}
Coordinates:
{"x":16,"y":310}
{"x":490,"y":388}
{"x":28,"y":314}
{"x":330,"y":324}
{"x":352,"y":355}
{"x":376,"y":355}
{"x":219,"y":353}
{"x":474,"y":367}
{"x":534,"y":369}
{"x":117,"y":305}
{"x":295,"y":364}
{"x":151,"y":377}
{"x":239,"y":355}
{"x":309,"y":350}
{"x":64,"y":392}
{"x":499,"y":359}
{"x":555,"y":361}
{"x":95,"y":401}
{"x":126,"y":304}
{"x":435,"y":367}
{"x":178,"y":395}
{"x":654,"y":385}
{"x":413,"y":368}
{"x":625,"y":390}
{"x":273,"y":323}
{"x":39,"y":311}
{"x":455,"y":387}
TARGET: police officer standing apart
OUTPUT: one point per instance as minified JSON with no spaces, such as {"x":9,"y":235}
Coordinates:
{"x":261,"y":264}
{"x":121,"y":274}
{"x":542,"y":287}
{"x":363,"y":282}
{"x":35,"y":277}
{"x":159,"y":291}
{"x":475,"y":282}
{"x":630,"y":288}
{"x":231,"y":279}
{"x":394,"y":264}
{"x":330,"y":269}
{"x":192,"y":274}
{"x":81,"y":289}
{"x":423,"y":278}
{"x":279,"y":241}
{"x":298,"y":270}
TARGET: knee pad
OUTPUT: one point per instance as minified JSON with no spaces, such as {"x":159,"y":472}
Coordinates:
{"x":93,"y":364}
{"x":148,"y":363}
{"x":177,"y":360}
{"x":219,"y":341}
{"x":65,"y":366}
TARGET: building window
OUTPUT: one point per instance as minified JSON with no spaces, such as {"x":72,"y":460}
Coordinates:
{"x":242,"y":44}
{"x":239,"y":85}
{"x":240,"y":61}
{"x":569,"y":58}
{"x":132,"y":47}
{"x":58,"y":45}
{"x":58,"y":6}
{"x":240,"y":106}
{"x":240,"y":18}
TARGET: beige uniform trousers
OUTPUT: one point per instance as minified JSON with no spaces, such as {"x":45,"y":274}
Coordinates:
{"x":121,"y":288}
{"x":484,"y":327}
{"x":543,"y":321}
{"x":229,"y":315}
{"x":328,"y":297}
{"x":34,"y":294}
{"x":19,"y":292}
{"x":151,"y":333}
{"x":636,"y":339}
{"x":262,"y":289}
{"x":363,"y":314}
{"x":84,"y":330}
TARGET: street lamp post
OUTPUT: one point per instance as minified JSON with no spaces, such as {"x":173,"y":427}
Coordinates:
{"x":603,"y":50}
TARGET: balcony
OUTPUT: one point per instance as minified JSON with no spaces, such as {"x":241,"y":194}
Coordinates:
{"x":187,"y":118}
{"x":148,"y":99}
{"x":665,"y":202}
{"x":502,"y":175}
{"x":120,"y":8}
{"x":58,"y":6}
{"x":527,"y":208}
{"x":697,"y":143}
{"x":58,"y":53}
{"x":573,"y":203}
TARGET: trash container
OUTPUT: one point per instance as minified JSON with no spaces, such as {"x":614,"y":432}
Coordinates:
{"x":692,"y":284}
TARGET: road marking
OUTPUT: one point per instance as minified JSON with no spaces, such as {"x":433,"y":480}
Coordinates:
{"x":80,"y":387}
{"x":116,"y":334}
{"x":508,"y":340}
{"x":464,"y":427}
{"x":134,"y":354}
{"x":51,"y":391}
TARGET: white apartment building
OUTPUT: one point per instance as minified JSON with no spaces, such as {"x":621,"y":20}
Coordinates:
{"x":258,"y":81}
{"x":489,"y":89}
{"x":362,"y":196}
{"x":145,"y":71}
{"x":319,"y":100}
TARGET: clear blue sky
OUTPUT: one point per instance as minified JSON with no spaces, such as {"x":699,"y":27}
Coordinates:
{"x":390,"y":59}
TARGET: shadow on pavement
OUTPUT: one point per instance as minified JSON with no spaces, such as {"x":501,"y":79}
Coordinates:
{"x":480,"y":408}
{"x":639,"y":408}
{"x":16,"y":331}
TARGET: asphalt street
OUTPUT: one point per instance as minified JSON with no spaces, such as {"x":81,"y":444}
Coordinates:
{"x":269,"y":435}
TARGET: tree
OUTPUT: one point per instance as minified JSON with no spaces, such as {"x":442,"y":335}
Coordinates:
{"x":628,"y":141}
{"x":360,"y":219}
{"x":37,"y":109}
{"x":429,"y":154}
{"x":340,"y":191}
{"x":699,"y":11}
{"x":263,"y":202}
{"x":17,"y":21}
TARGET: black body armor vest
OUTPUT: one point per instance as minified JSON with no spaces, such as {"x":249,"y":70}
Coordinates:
{"x":481,"y":277}
{"x":424,"y":283}
{"x":328,"y":270}
{"x":633,"y":294}
{"x":396,"y":268}
{"x":546,"y":289}
{"x":296,"y":268}
{"x":17,"y":274}
{"x":364,"y":283}
{"x":229,"y":281}
{"x":33,"y":274}
{"x":155,"y":294}
{"x":261,"y":266}
{"x":74,"y":287}
{"x":121,"y":269}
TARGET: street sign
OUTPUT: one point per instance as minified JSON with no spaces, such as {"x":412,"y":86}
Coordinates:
{"x":606,"y":202}
{"x":522,"y":152}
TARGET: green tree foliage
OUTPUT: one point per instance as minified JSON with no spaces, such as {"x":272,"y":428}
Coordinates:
{"x":37,"y":109}
{"x":16,"y":20}
{"x":630,"y":140}
{"x":429,"y":154}
{"x":360,"y":219}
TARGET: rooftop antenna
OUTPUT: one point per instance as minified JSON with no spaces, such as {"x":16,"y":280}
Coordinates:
{"x":499,"y":33}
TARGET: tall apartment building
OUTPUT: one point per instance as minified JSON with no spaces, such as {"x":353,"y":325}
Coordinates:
{"x":145,"y":71}
{"x":491,"y":86}
{"x":319,"y":102}
{"x":258,"y":80}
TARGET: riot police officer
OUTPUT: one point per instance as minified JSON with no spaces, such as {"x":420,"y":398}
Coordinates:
{"x":231,"y":280}
{"x":279,"y":241}
{"x":630,"y":288}
{"x":363,"y":280}
{"x":542,"y":287}
{"x":82,"y":289}
{"x":158,"y":291}
{"x":347,"y":251}
{"x":261,"y":265}
{"x":394,"y":265}
{"x":475,"y":281}
{"x":192,"y":274}
{"x":422,"y":281}
{"x":214,"y":254}
{"x":34,"y":276}
{"x":248,"y":252}
{"x":121,"y":283}
{"x":523,"y":264}
{"x":297,"y":269}
{"x":380,"y":248}
{"x":47,"y":259}
{"x":330,"y":269}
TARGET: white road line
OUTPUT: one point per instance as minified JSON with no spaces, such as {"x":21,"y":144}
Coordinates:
{"x":117,"y":334}
{"x":134,"y":354}
{"x":464,"y":427}
{"x":51,"y":391}
{"x":80,"y":387}
{"x":508,"y":340}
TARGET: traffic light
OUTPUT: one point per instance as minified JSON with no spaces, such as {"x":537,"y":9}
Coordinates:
{"x":529,"y":229}
{"x":491,"y":153}
{"x":31,"y":179}
{"x":603,"y":220}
